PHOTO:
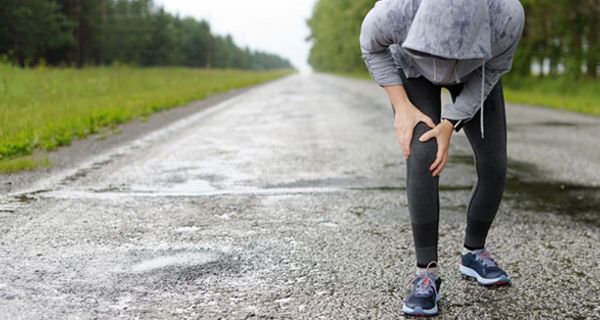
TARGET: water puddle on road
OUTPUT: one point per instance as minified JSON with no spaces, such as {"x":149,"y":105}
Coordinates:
{"x":577,"y":201}
{"x":528,"y":189}
{"x":104,"y":194}
{"x":556,"y":124}
{"x":190,"y":186}
{"x":10,"y":204}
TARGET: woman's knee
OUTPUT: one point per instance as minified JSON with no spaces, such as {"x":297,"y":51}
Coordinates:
{"x":422,"y":154}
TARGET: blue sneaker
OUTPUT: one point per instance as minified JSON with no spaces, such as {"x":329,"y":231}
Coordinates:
{"x":479,"y":265}
{"x":423,"y":295}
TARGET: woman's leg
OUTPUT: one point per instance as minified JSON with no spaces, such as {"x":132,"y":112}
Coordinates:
{"x":421,"y":187}
{"x":490,"y":163}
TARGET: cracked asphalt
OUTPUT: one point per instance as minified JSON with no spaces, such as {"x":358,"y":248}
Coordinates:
{"x":287,"y":201}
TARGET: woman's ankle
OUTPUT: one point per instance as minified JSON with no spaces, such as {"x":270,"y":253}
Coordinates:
{"x":432,"y":267}
{"x":430,"y":270}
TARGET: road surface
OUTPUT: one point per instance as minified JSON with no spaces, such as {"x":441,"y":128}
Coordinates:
{"x":286,"y":202}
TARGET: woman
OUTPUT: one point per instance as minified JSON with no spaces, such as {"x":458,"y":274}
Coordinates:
{"x":412,"y":49}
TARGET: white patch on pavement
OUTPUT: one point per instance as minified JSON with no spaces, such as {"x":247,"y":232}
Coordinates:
{"x":187,"y":229}
{"x":182,"y":259}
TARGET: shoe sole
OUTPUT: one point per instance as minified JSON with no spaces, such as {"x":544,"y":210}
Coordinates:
{"x":469,"y":273}
{"x":419,"y":312}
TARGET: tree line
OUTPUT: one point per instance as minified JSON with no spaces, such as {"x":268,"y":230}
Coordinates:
{"x":561,"y":37}
{"x":101,"y":32}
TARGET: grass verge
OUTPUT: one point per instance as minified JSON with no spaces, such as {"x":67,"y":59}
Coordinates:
{"x":24,"y":163}
{"x":45,"y":108}
{"x":579,"y":96}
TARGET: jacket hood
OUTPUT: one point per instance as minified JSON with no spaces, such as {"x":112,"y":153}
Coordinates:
{"x":451,"y":29}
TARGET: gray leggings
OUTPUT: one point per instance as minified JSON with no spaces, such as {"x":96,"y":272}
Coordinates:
{"x":490,"y":162}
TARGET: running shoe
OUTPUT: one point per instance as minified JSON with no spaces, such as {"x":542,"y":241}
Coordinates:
{"x":423,"y":295}
{"x":479,"y":265}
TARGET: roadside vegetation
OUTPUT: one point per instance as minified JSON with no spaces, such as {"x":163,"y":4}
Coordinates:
{"x":557,"y":63}
{"x":103,"y":32}
{"x":73,"y":68}
{"x":580,"y":96}
{"x":24,"y":163}
{"x":44,"y":108}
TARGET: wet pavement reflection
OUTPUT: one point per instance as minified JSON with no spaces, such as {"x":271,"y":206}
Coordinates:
{"x":288,"y":202}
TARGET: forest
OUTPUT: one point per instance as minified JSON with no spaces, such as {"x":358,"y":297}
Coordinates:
{"x":83,"y":33}
{"x":561,"y":38}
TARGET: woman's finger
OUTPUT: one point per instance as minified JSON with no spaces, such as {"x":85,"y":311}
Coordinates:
{"x":428,"y":135}
{"x":440,"y":168}
{"x":438,"y":159}
{"x":405,"y":143}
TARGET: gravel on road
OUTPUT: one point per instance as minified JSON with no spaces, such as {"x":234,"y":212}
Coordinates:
{"x":287,"y":201}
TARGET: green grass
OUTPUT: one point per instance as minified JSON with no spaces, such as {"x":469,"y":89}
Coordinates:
{"x":45,"y":108}
{"x":580,"y":96}
{"x":24,"y":163}
{"x":364,"y":75}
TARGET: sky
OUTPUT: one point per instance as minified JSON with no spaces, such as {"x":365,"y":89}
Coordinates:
{"x":275,"y":26}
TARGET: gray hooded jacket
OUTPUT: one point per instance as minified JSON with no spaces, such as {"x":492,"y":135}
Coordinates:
{"x":446,"y":41}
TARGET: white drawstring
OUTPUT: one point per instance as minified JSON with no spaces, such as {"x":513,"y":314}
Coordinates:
{"x":482,"y":102}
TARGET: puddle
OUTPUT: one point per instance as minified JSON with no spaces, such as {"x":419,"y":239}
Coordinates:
{"x":527,"y":189}
{"x":526,"y":186}
{"x":101,"y":194}
{"x":314,"y":183}
{"x":555,"y":124}
{"x":12,"y":202}
{"x":85,"y":172}
{"x":577,"y":201}
{"x":25,"y":198}
{"x":380,"y":188}
{"x":559,"y":124}
{"x":113,"y":188}
{"x":186,"y":187}
{"x":82,"y":173}
{"x":195,"y":185}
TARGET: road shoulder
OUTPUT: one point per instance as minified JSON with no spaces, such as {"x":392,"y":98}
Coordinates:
{"x":83,"y":149}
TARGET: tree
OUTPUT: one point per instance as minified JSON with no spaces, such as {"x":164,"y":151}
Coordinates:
{"x":561,"y":34}
{"x":93,"y":32}
{"x":335,"y":28}
{"x":28,"y":32}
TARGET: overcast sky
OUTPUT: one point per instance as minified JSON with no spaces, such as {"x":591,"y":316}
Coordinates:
{"x":276,"y":26}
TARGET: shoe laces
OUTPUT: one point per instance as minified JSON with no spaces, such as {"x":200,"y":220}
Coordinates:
{"x":485,"y":257}
{"x":424,"y":281}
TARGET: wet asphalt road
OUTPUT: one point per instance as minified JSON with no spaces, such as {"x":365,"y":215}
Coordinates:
{"x":287,"y":201}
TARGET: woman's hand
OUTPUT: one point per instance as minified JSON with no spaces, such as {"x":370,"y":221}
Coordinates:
{"x":442,"y":133}
{"x":407,"y":118}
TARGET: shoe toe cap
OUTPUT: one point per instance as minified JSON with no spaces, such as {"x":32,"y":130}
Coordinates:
{"x":425,"y":303}
{"x":496,"y":273}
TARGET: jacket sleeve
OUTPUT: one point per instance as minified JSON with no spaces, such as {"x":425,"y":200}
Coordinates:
{"x":376,"y":36}
{"x":468,"y":102}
